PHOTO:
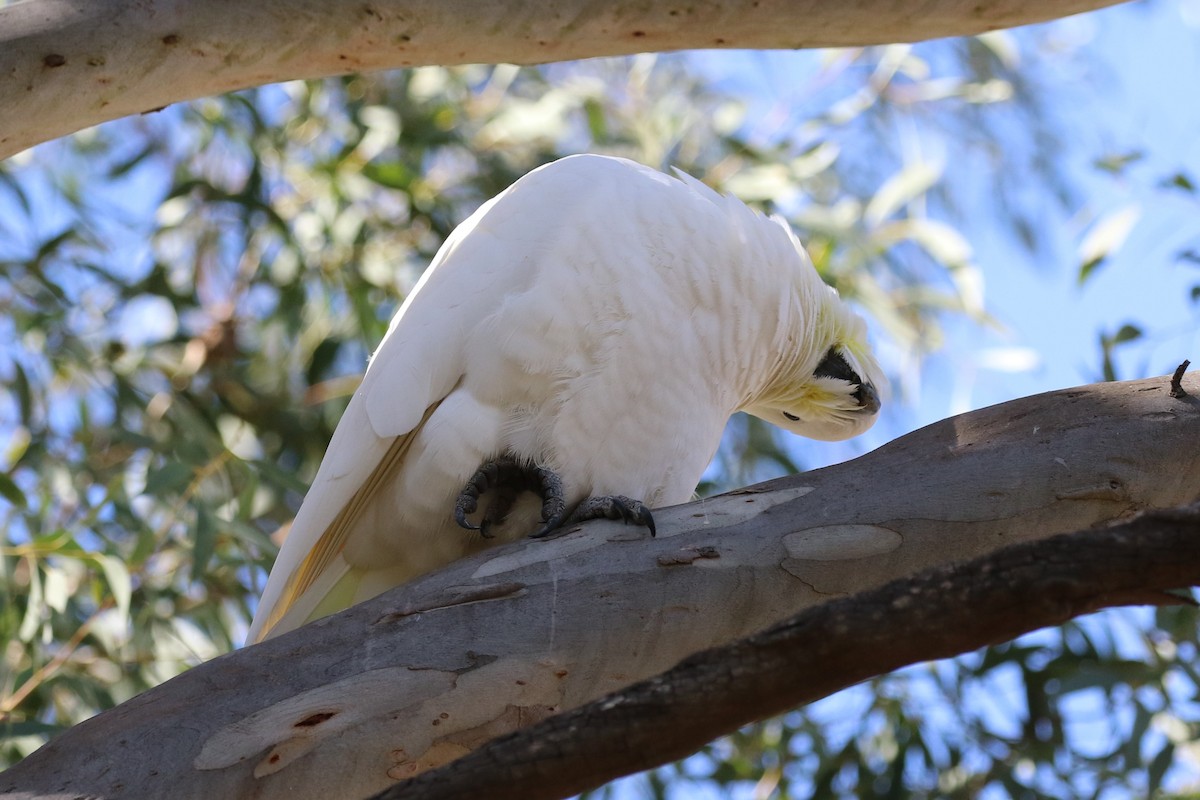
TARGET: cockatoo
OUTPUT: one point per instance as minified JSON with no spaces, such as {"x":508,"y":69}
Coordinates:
{"x":586,"y":334}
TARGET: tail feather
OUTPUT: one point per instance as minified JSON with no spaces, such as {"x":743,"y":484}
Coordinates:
{"x":333,"y":590}
{"x":302,"y":578}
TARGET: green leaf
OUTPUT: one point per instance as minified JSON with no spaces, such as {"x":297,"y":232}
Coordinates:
{"x":1116,"y":163}
{"x":48,"y":247}
{"x":13,"y":185}
{"x":280,"y":477}
{"x":900,"y":189}
{"x":56,"y":589}
{"x":1107,"y":368}
{"x":322,"y":359}
{"x":1109,"y":342}
{"x":1158,"y":768}
{"x":1003,"y":45}
{"x":251,"y":535}
{"x":120,"y":584}
{"x":1076,"y":675}
{"x":11,"y":492}
{"x":1105,"y":238}
{"x":29,"y":727}
{"x":1087,"y":268}
{"x":171,"y":477}
{"x":760,"y":183}
{"x":1179,"y":181}
{"x":942,"y":242}
{"x":392,"y":174}
{"x":205,"y":541}
{"x":24,"y":396}
{"x":32,"y":620}
{"x":597,"y":124}
{"x":125,"y":166}
{"x":1127,"y":333}
{"x":133,"y":438}
{"x":58,"y":541}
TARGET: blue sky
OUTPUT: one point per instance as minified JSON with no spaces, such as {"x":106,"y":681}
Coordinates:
{"x":1143,"y":60}
{"x":1150,"y":53}
{"x":1145,"y":63}
{"x":1134,"y":96}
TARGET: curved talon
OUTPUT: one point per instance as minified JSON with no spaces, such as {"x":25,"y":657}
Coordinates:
{"x":554,"y":507}
{"x":628,"y":510}
{"x":468,"y":498}
{"x":634,"y":511}
{"x":508,"y":477}
{"x":466,"y":504}
{"x":614,"y":507}
{"x":550,"y":527}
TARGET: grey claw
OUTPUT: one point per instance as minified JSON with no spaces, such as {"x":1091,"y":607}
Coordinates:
{"x":640,"y":515}
{"x":634,"y":511}
{"x":466,"y":505}
{"x":509,"y":477}
{"x":550,"y":527}
{"x":468,"y":498}
{"x":615,"y":507}
{"x":554,"y":507}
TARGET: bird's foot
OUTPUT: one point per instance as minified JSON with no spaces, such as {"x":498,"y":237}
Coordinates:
{"x":507,"y":478}
{"x":614,"y":507}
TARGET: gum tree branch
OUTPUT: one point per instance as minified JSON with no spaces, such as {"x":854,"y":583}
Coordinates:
{"x":66,"y":65}
{"x":436,"y":668}
{"x":938,"y":613}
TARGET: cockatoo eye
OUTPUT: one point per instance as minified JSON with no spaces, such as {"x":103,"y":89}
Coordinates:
{"x":792,"y":417}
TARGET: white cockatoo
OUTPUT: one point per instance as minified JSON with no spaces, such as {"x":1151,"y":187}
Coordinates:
{"x":585,"y":334}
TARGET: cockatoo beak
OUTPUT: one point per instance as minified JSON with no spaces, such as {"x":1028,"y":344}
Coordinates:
{"x":868,"y":398}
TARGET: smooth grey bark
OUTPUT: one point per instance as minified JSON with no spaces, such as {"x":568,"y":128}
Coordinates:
{"x":432,"y":670}
{"x":938,"y":612}
{"x":68,"y":64}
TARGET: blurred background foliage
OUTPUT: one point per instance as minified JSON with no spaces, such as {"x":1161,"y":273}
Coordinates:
{"x":188,"y":298}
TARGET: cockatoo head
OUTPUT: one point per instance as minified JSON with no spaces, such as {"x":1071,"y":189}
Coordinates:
{"x":827,"y":384}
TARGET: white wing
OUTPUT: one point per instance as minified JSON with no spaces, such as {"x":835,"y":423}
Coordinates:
{"x":419,"y":362}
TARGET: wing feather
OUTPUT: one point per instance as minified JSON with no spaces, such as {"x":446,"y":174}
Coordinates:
{"x":321,"y":555}
{"x":500,"y":252}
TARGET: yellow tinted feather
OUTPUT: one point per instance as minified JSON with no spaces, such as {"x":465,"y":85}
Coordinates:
{"x":333,"y":540}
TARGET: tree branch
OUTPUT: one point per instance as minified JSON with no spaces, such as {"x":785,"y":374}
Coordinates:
{"x":938,"y":613}
{"x":498,"y":641}
{"x":68,"y":65}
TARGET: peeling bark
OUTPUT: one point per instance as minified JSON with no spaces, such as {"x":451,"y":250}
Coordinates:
{"x":67,"y":65}
{"x":935,"y":614}
{"x":434,"y":669}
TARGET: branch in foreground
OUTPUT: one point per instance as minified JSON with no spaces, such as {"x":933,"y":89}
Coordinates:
{"x":938,"y":613}
{"x":68,"y":65}
{"x":436,"y":668}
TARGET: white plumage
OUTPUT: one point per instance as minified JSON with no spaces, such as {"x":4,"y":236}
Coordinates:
{"x":598,"y":318}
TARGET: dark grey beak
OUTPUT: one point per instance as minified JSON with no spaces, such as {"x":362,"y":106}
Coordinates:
{"x":868,"y":398}
{"x":834,"y":365}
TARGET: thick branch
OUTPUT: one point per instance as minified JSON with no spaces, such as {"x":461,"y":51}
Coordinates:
{"x":68,"y":65}
{"x":436,"y":668}
{"x":938,"y":613}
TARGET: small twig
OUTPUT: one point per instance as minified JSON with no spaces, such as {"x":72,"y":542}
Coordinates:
{"x":47,"y":670}
{"x":1177,"y":378}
